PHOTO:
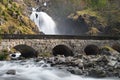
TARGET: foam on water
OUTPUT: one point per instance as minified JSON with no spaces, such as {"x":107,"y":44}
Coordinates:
{"x":31,"y":70}
{"x":44,"y":22}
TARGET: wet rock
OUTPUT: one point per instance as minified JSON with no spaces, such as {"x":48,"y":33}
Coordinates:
{"x":116,"y":47}
{"x":112,"y":63}
{"x":61,"y":59}
{"x":38,"y":59}
{"x":118,"y":59}
{"x":75,"y":70}
{"x":98,"y":66}
{"x":88,"y":64}
{"x":98,"y":73}
{"x":105,"y":51}
{"x":69,"y":59}
{"x":11,"y":72}
{"x":103,"y":60}
{"x":79,"y":63}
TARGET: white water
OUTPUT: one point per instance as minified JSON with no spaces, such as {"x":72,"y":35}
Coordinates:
{"x":30,"y":70}
{"x":44,"y":22}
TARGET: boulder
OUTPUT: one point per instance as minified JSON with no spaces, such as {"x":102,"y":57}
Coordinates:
{"x":11,"y":72}
{"x":98,"y":73}
{"x":75,"y":70}
{"x":116,"y":47}
{"x":103,"y":61}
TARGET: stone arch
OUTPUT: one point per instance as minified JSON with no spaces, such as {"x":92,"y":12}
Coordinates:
{"x":91,"y":49}
{"x":26,"y":51}
{"x":62,"y":50}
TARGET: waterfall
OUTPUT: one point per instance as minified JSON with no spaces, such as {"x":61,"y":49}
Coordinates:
{"x":44,"y":22}
{"x":31,"y":70}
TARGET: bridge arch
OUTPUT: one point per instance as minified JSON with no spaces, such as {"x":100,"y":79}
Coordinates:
{"x":91,"y":49}
{"x":62,"y":49}
{"x":26,"y":51}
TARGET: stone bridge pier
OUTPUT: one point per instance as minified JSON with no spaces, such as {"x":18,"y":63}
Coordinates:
{"x":53,"y":46}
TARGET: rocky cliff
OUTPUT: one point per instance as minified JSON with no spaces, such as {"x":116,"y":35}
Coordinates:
{"x":13,"y":18}
{"x":100,"y":17}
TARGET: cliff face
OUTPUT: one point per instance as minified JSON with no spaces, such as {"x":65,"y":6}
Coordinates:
{"x":13,"y":19}
{"x":100,"y":16}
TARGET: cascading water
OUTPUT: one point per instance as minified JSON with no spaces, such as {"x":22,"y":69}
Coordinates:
{"x":44,"y":22}
{"x":31,"y":70}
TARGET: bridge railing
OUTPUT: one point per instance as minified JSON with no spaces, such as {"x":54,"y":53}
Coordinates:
{"x":29,"y":36}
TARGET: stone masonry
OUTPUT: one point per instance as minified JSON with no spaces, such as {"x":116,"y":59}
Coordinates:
{"x":46,"y":45}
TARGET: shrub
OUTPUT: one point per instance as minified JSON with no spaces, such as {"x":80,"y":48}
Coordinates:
{"x":5,"y":2}
{"x":3,"y":54}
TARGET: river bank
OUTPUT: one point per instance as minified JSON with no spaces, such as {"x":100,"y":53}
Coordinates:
{"x":99,"y":66}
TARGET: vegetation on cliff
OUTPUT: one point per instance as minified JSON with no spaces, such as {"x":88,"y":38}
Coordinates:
{"x":13,"y":20}
{"x":105,"y":14}
{"x":102,"y":15}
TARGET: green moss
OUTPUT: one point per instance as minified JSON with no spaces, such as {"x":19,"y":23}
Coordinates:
{"x":89,"y":12}
{"x":12,"y":15}
{"x":96,"y":4}
{"x":5,"y":2}
{"x":45,"y":54}
{"x":108,"y":48}
{"x":3,"y":54}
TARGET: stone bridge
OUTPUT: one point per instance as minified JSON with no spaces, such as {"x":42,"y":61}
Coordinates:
{"x":67,"y":45}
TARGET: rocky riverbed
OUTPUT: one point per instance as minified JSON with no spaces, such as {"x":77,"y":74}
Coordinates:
{"x":104,"y":66}
{"x":37,"y":69}
{"x":98,"y":66}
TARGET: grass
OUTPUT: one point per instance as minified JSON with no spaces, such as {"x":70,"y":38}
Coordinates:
{"x":88,"y":12}
{"x":10,"y":14}
{"x":3,"y":54}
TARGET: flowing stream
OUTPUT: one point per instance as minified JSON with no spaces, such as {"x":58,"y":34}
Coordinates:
{"x":44,"y":22}
{"x":31,"y":70}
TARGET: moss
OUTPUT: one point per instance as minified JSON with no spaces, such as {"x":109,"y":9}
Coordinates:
{"x":12,"y":17}
{"x":5,"y":2}
{"x":47,"y":54}
{"x":3,"y":54}
{"x":90,"y":12}
{"x":107,"y":48}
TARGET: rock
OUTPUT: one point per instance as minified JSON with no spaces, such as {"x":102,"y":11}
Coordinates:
{"x":78,"y":62}
{"x":15,"y":56}
{"x":61,"y":59}
{"x":116,"y":47}
{"x":112,"y":63}
{"x":75,"y":70}
{"x":118,"y":59}
{"x":11,"y":72}
{"x":103,"y":60}
{"x":69,"y":59}
{"x":98,"y":73}
{"x":105,"y":51}
{"x":88,"y":64}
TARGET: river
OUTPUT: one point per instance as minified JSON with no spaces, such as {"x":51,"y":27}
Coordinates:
{"x":31,"y":70}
